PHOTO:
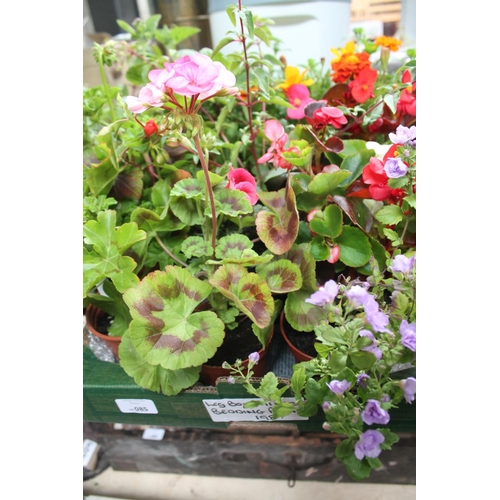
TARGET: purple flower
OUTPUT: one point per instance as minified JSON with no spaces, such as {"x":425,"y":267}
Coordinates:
{"x":326,"y":406}
{"x":408,"y":333}
{"x":373,"y":348}
{"x":254,"y":357}
{"x":409,"y":386}
{"x":395,"y":168}
{"x":404,"y":135}
{"x":385,"y":398}
{"x":403,"y":264}
{"x":378,"y":321}
{"x":339,"y":387}
{"x":325,"y":294}
{"x":231,"y":380}
{"x":369,"y":445}
{"x":361,"y":380}
{"x":357,"y":295}
{"x":374,"y":413}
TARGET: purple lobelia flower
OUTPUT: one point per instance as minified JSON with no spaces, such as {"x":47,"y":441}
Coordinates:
{"x":362,"y":377}
{"x":339,"y":387}
{"x":408,"y":333}
{"x":357,"y":295}
{"x":325,"y":294}
{"x":369,"y":444}
{"x":374,"y":413}
{"x":409,"y":386}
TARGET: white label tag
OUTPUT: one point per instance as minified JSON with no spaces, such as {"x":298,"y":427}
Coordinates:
{"x":232,"y":410}
{"x":89,"y":448}
{"x":154,"y":434}
{"x":136,"y":406}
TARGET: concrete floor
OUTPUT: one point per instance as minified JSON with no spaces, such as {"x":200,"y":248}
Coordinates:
{"x":158,"y":486}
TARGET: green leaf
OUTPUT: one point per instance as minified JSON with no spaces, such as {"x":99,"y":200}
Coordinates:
{"x":262,"y":34}
{"x":196,"y":246}
{"x":278,"y":227}
{"x":181,"y":33}
{"x":319,"y":249}
{"x":151,"y":377}
{"x":264,"y":334}
{"x":355,"y":164}
{"x":337,"y":361}
{"x":327,"y":222}
{"x":356,"y":210}
{"x":281,"y":410}
{"x":230,"y":202}
{"x":185,"y":198}
{"x":314,"y":392}
{"x":363,"y":360}
{"x":249,"y":292}
{"x":411,"y":199}
{"x":298,"y":381}
{"x":281,"y":275}
{"x":231,"y":12}
{"x":332,"y":335}
{"x":389,"y":100}
{"x":301,"y":315}
{"x":222,"y":43}
{"x":355,"y":249}
{"x":389,"y":214}
{"x":324,"y":184}
{"x":106,"y":258}
{"x":165,"y":330}
{"x":125,"y":26}
{"x":246,"y":16}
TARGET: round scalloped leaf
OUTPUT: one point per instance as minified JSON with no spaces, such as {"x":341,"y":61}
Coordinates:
{"x":164,"y":328}
{"x":154,"y":378}
{"x":196,"y":246}
{"x":324,"y":184}
{"x":327,"y":222}
{"x":282,"y":276}
{"x":185,"y":197}
{"x":230,"y":202}
{"x":232,"y":246}
{"x":301,"y":315}
{"x":249,"y":292}
{"x":278,"y":228}
{"x":355,"y":248}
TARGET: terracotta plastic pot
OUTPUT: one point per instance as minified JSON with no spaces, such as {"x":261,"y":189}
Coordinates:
{"x":210,"y":374}
{"x":92,"y":316}
{"x":297,"y":353}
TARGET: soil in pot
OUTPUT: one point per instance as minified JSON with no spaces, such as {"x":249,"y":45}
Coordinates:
{"x":300,"y":343}
{"x":238,"y":344}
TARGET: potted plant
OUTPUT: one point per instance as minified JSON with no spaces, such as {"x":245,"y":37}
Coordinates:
{"x":228,"y":189}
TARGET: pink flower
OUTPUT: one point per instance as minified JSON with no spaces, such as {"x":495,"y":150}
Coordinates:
{"x":329,"y":115}
{"x":298,"y":95}
{"x":149,"y":96}
{"x":275,"y":132}
{"x":242,"y":180}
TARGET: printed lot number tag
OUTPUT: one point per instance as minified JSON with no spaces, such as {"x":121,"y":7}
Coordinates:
{"x":136,"y":406}
{"x":232,"y":410}
{"x":153,"y":434}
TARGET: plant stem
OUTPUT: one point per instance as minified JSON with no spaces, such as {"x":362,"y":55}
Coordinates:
{"x":106,"y":87}
{"x":209,"y":190}
{"x":249,"y":103}
{"x":167,"y":251}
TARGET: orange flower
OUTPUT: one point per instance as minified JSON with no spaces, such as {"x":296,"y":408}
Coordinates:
{"x":348,"y":66}
{"x":391,"y":43}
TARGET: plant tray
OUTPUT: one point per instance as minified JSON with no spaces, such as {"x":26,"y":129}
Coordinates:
{"x":104,"y":383}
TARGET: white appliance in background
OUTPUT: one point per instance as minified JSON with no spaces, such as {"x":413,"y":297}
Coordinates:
{"x":308,"y":29}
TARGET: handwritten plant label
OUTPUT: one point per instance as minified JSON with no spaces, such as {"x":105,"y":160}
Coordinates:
{"x":136,"y":406}
{"x":231,"y":410}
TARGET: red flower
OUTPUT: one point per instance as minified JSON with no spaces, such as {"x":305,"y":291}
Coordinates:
{"x":376,"y":178}
{"x":319,"y":115}
{"x":407,"y":103}
{"x":150,"y":128}
{"x":362,"y":86}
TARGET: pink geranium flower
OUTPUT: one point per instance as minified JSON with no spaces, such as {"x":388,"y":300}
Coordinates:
{"x":244,"y":181}
{"x":149,"y":96}
{"x":298,"y":96}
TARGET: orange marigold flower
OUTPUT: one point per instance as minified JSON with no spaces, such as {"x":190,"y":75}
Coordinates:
{"x":348,"y":66}
{"x":391,"y":43}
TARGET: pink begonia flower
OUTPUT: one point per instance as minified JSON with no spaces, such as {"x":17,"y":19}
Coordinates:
{"x":244,"y":181}
{"x":275,"y":132}
{"x":298,"y":96}
{"x":329,"y":115}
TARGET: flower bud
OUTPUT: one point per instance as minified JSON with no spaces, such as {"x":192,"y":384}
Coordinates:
{"x":326,"y":406}
{"x":254,"y":357}
{"x":334,"y":254}
{"x":326,"y":426}
{"x":150,"y":128}
{"x":231,"y":380}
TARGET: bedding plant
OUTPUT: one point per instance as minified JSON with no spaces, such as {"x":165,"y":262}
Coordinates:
{"x":228,"y":187}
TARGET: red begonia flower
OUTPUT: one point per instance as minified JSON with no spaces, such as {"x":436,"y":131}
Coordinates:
{"x":362,"y":86}
{"x":407,"y":103}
